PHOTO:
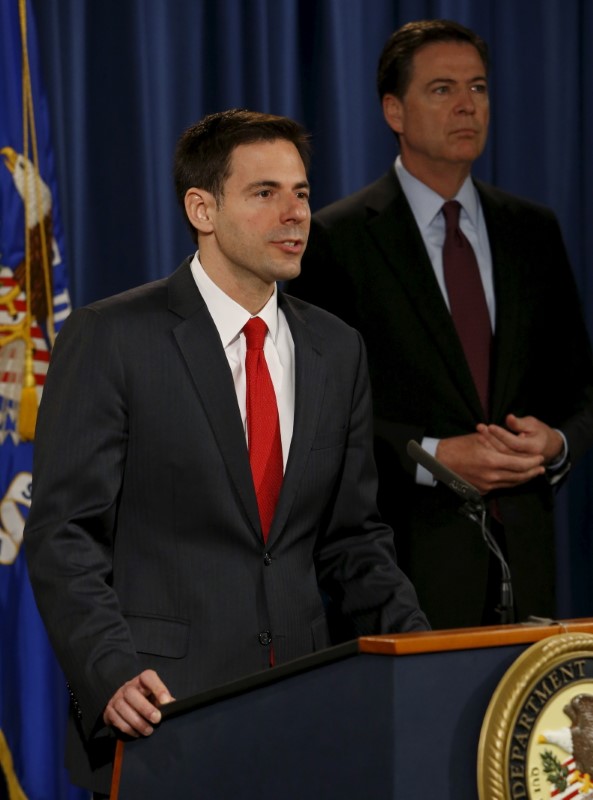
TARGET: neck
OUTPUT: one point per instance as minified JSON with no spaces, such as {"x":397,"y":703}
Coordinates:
{"x":250,"y":292}
{"x":446,"y":179}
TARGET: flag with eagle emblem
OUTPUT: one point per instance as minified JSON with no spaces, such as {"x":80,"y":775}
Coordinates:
{"x":34,"y":302}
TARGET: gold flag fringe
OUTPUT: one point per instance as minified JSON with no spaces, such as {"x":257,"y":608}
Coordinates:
{"x":28,"y":404}
{"x":15,"y":791}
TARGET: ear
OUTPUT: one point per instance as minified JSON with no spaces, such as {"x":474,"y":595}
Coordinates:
{"x":199,"y":206}
{"x":393,"y":112}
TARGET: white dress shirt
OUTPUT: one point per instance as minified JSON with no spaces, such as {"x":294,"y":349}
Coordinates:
{"x":230,"y":318}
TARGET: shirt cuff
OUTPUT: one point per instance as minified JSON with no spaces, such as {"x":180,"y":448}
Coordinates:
{"x":560,"y":460}
{"x":556,"y":470}
{"x":423,"y":476}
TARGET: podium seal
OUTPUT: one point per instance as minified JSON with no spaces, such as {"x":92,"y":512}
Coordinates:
{"x":536,"y":741}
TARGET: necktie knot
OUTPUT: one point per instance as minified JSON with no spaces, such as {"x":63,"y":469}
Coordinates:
{"x":255,"y":333}
{"x":451,"y":210}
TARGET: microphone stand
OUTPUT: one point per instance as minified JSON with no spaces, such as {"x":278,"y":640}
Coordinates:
{"x":477,"y":513}
{"x":473,"y":509}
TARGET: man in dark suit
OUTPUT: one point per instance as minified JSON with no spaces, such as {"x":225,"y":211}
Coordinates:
{"x":153,"y":570}
{"x":378,"y":260}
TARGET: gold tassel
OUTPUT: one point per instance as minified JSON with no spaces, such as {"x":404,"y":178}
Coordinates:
{"x":7,"y":772}
{"x":28,"y":406}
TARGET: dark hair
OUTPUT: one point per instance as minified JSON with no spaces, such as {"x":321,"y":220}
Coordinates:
{"x":394,"y":72}
{"x":204,"y":150}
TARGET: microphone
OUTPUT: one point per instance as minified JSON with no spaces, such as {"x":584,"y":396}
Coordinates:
{"x":445,"y":475}
{"x":474,"y":509}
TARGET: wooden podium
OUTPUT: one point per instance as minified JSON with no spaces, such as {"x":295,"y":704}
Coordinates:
{"x":377,"y":718}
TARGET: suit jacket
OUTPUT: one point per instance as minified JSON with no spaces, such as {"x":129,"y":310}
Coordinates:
{"x":366,"y":262}
{"x":143,"y":540}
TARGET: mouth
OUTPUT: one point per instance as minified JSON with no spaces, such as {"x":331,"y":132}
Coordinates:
{"x":293,"y":246}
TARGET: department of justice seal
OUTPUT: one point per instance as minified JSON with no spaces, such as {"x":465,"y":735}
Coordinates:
{"x":536,"y":741}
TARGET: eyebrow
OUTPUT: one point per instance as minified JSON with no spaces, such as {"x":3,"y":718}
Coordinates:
{"x":452,"y":80}
{"x":276,"y":185}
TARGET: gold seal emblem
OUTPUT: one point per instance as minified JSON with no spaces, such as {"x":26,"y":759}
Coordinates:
{"x":536,"y":741}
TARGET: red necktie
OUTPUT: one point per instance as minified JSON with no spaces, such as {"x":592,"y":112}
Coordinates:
{"x":263,"y":425}
{"x":467,"y":301}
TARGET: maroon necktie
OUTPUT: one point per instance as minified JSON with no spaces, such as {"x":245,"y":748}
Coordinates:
{"x":467,"y":301}
{"x":263,"y":425}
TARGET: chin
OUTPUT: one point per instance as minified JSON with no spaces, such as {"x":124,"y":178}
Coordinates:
{"x":288,"y":272}
{"x":468,"y":150}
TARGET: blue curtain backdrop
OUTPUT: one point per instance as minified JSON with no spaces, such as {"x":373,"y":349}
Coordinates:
{"x":125,"y":77}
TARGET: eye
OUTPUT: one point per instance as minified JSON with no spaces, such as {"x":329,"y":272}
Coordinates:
{"x":264,"y":193}
{"x":480,"y":88}
{"x":441,"y":90}
{"x":303,"y":196}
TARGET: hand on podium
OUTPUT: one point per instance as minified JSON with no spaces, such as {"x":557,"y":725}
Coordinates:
{"x":134,"y":708}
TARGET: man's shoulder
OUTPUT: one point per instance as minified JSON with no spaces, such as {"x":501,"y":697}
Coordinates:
{"x":318,"y":320}
{"x":153,"y":294}
{"x":374,"y":195}
{"x":136,"y":312}
{"x":136,"y":296}
{"x":493,"y":197}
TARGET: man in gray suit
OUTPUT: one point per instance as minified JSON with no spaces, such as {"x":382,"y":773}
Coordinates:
{"x":510,"y":420}
{"x":151,"y":566}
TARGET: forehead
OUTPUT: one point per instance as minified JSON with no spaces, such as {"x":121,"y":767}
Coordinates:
{"x":459,"y":60}
{"x":278,"y":160}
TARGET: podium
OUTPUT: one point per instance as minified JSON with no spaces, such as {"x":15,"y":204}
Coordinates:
{"x":377,"y":718}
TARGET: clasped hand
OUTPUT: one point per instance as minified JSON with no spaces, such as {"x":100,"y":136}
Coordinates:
{"x":500,"y":458}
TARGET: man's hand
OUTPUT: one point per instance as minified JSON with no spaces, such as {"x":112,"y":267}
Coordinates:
{"x":134,"y":708}
{"x":524,"y":436}
{"x":481,"y":460}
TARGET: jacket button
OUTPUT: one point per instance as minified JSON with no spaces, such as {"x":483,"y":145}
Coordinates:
{"x":265,"y":638}
{"x":267,"y":559}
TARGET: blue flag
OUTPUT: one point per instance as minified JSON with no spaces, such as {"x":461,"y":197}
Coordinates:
{"x":34,"y":302}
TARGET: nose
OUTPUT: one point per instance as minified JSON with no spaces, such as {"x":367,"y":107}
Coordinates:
{"x":295,"y":210}
{"x":466,"y":101}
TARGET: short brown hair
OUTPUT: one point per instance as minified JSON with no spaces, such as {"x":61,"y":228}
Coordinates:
{"x":394,"y":72}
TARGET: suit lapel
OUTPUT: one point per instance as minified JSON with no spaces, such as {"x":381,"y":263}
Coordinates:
{"x":310,"y":376}
{"x":202,"y":350}
{"x":505,"y":272}
{"x":392,"y":226}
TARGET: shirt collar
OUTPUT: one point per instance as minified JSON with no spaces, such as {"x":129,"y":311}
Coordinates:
{"x":230,"y":317}
{"x":426,"y":203}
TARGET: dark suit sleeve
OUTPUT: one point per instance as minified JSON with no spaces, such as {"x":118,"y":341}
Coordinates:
{"x":571,"y":358}
{"x":68,"y":538}
{"x":545,"y":351}
{"x":356,"y":560}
